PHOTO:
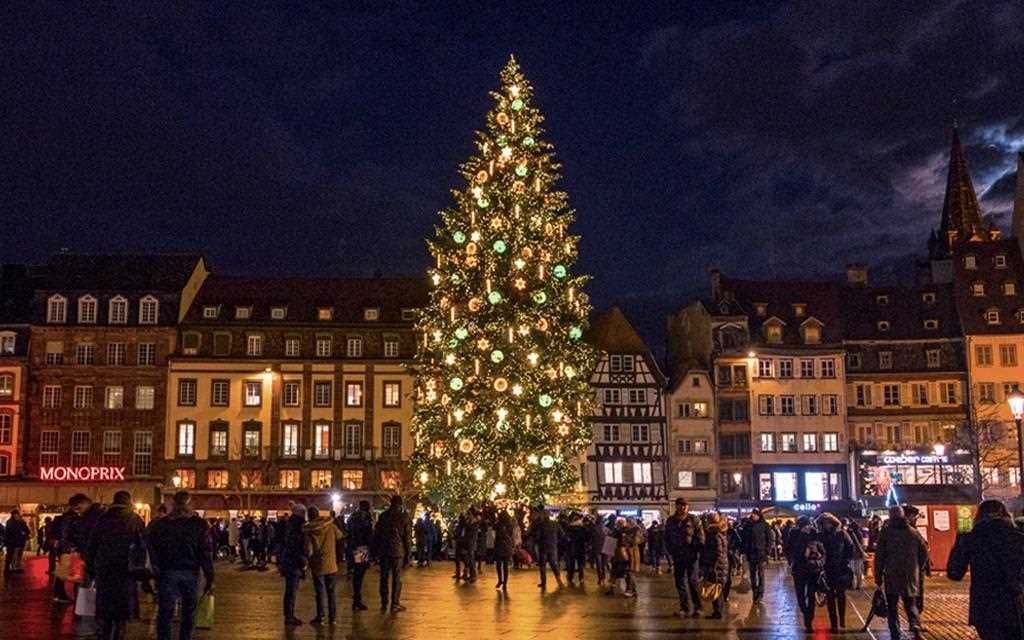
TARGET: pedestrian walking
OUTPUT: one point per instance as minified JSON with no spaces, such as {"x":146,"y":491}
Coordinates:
{"x":913,"y":514}
{"x":392,"y":539}
{"x":859,"y":555}
{"x":467,"y":544}
{"x":321,"y":545}
{"x":233,"y":538}
{"x":423,"y":533}
{"x":993,"y":551}
{"x":292,"y":563}
{"x":545,"y":534}
{"x":806,"y":556}
{"x":179,"y":548}
{"x":900,"y":558}
{"x":598,"y":534}
{"x":577,"y":536}
{"x":360,"y":536}
{"x":714,"y":560}
{"x":757,"y":547}
{"x":114,"y":548}
{"x":838,"y":574}
{"x":64,"y":543}
{"x":504,"y":547}
{"x":15,"y":537}
{"x":626,"y":561}
{"x":684,"y":541}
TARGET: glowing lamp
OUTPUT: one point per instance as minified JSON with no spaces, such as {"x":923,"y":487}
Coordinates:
{"x":1016,"y":402}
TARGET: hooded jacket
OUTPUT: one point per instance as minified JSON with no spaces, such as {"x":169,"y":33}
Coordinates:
{"x":180,"y":542}
{"x":994,"y":553}
{"x":393,"y":535}
{"x":757,"y":540}
{"x":321,"y":543}
{"x":900,"y":557}
{"x":714,"y":558}
{"x":684,"y":537}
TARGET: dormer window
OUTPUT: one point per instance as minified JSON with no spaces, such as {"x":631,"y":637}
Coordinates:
{"x":243,"y":313}
{"x":371,"y":314}
{"x":811,"y":331}
{"x":408,"y":314}
{"x":978,"y":289}
{"x":1009,"y":288}
{"x":928,"y":298}
{"x":57,"y":309}
{"x":931,"y":324}
{"x":278,"y":313}
{"x":118,"y":310}
{"x":883,"y":325}
{"x":992,"y":316}
{"x":882,"y":300}
{"x":761,"y":308}
{"x":970,"y":262}
{"x":1000,"y":261}
{"x":87,"y":310}
{"x":1019,"y":315}
{"x":211,"y":312}
{"x":773,"y":331}
{"x":149,"y":310}
{"x":799,"y":310}
{"x":324,"y":313}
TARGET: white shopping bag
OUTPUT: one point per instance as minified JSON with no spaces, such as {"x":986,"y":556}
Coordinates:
{"x":85,"y":602}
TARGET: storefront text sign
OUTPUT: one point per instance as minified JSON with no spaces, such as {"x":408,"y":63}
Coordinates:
{"x":81,"y":474}
{"x":915,"y":459}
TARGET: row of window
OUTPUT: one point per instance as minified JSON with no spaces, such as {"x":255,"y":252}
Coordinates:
{"x":291,"y":393}
{"x":623,"y":396}
{"x":1007,"y":355}
{"x":692,"y":409}
{"x":614,"y":473}
{"x":618,"y":363}
{"x":933,"y":360}
{"x":244,"y":312}
{"x":693,"y":480}
{"x":321,"y":479}
{"x":787,"y":442}
{"x":971,"y":261}
{"x":88,"y":306}
{"x":786,"y":405}
{"x":905,"y":433}
{"x":1009,"y":288}
{"x":81,"y":450}
{"x":692,"y":447}
{"x":255,"y":345}
{"x":637,"y":432}
{"x":320,"y":435}
{"x":85,"y":353}
{"x":893,"y":394}
{"x":84,"y":396}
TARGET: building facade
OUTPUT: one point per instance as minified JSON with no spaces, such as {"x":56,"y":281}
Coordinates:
{"x":288,"y":388}
{"x":626,"y":466}
{"x":15,"y":302}
{"x":692,"y":443}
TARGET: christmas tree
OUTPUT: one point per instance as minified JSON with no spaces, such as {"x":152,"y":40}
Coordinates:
{"x":502,"y":380}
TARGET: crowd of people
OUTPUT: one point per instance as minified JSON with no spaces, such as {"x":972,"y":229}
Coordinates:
{"x":710,"y":557}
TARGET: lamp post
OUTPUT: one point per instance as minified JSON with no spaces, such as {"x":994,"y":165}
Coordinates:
{"x":1016,"y":402}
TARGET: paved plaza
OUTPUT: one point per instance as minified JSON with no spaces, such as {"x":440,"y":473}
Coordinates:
{"x":249,"y":607}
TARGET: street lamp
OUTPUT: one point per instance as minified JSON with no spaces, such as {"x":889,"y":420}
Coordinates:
{"x":1016,"y":402}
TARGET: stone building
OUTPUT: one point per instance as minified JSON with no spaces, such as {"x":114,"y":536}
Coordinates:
{"x":691,"y":411}
{"x":15,"y":303}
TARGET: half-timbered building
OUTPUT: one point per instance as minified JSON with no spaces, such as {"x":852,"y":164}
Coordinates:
{"x":627,"y":464}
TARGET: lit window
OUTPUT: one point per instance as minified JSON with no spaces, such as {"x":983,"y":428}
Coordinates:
{"x":324,"y":313}
{"x":290,"y":439}
{"x":6,"y":384}
{"x":642,"y":472}
{"x":117,"y":310}
{"x":253,"y":393}
{"x":970,"y":262}
{"x":799,"y":310}
{"x":1009,"y":288}
{"x":186,"y":478}
{"x":392,"y":394}
{"x":321,"y":479}
{"x":251,"y":478}
{"x":211,"y":312}
{"x":391,"y":480}
{"x":788,"y":441}
{"x":218,"y":439}
{"x":992,"y":316}
{"x":684,"y":480}
{"x":54,"y":352}
{"x":217,"y":479}
{"x":830,"y":442}
{"x":353,"y":394}
{"x":323,"y":347}
{"x":978,"y":289}
{"x":351,"y":479}
{"x":767,"y":442}
{"x":149,"y":310}
{"x":7,"y":342}
{"x":252,"y":433}
{"x":371,"y":314}
{"x":145,"y":397}
{"x":810,"y":442}
{"x":57,"y":309}
{"x":278,"y":313}
{"x":322,"y":439}
{"x":87,"y":310}
{"x":354,"y":347}
{"x":186,"y":438}
{"x":114,"y":398}
{"x":612,"y":472}
{"x":243,"y":313}
{"x":289,"y":478}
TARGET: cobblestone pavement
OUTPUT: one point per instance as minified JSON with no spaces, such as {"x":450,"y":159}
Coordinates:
{"x":249,"y":603}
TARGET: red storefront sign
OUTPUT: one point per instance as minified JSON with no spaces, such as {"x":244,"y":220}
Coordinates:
{"x":81,"y":474}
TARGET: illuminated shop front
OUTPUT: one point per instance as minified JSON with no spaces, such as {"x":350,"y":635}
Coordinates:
{"x":787,"y":485}
{"x":882,"y":473}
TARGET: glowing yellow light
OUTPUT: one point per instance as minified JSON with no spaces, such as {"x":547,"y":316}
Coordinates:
{"x":500,"y":488}
{"x":436,"y":279}
{"x":524,"y":330}
{"x":517,"y":390}
{"x":519,"y":263}
{"x":475,"y":236}
{"x":424,"y":477}
{"x":532,"y":459}
{"x":478,"y":473}
{"x":477,"y":192}
{"x":533,"y":358}
{"x":506,"y":153}
{"x":449,"y":359}
{"x":437,"y":336}
{"x":514,"y":91}
{"x":459,"y":415}
{"x":557,"y":415}
{"x":502,"y":414}
{"x":570,"y":372}
{"x":518,"y":473}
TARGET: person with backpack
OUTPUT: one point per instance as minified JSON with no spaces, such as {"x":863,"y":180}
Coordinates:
{"x":901,"y":556}
{"x":806,"y":556}
{"x":838,"y":574}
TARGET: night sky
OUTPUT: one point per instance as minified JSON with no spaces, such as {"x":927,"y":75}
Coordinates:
{"x":763,"y":139}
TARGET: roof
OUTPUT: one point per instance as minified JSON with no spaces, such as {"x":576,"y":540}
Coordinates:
{"x":820,"y":300}
{"x":972,"y":308}
{"x":68,"y":272}
{"x":612,"y":332}
{"x":905,"y":309}
{"x":960,"y":209}
{"x":305,"y":296}
{"x":16,"y":288}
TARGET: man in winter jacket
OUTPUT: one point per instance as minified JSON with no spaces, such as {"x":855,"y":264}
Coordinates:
{"x":598,"y":533}
{"x":806,"y":556}
{"x":179,"y":547}
{"x":360,"y":536}
{"x":900,"y":557}
{"x":63,"y":543}
{"x":392,"y":540}
{"x":292,"y":562}
{"x":14,"y":539}
{"x":757,"y":545}
{"x":114,"y":546}
{"x":994,"y":553}
{"x":321,"y":543}
{"x":545,"y":533}
{"x":684,"y":540}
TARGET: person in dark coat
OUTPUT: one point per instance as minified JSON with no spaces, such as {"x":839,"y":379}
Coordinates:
{"x":504,"y":547}
{"x":577,"y":535}
{"x":714,"y":559}
{"x":15,"y":537}
{"x":360,"y":537}
{"x":859,"y":555}
{"x":114,"y":546}
{"x":757,"y":545}
{"x":838,"y":574}
{"x":392,"y":539}
{"x":544,"y":532}
{"x":63,"y":543}
{"x":597,"y":533}
{"x":900,"y":557}
{"x":292,"y":563}
{"x":684,"y":540}
{"x":423,"y":531}
{"x":806,"y":556}
{"x":468,"y":544}
{"x":994,"y":554}
{"x":179,"y":547}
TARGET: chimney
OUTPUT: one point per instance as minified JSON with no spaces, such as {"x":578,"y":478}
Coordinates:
{"x":716,"y":284}
{"x":857,"y":275}
{"x":1017,"y":229}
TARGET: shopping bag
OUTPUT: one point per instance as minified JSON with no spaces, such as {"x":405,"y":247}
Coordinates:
{"x":61,"y":571}
{"x":709,"y":591}
{"x":743,"y":586}
{"x":879,"y":605}
{"x":609,"y":546}
{"x":76,"y":568}
{"x":524,"y":557}
{"x":204,"y":612}
{"x":85,"y":602}
{"x":361,"y":554}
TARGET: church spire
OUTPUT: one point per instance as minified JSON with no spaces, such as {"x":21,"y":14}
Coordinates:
{"x":1018,"y":201}
{"x":961,"y":215}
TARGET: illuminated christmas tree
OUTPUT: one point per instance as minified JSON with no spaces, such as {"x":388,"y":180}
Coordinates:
{"x":502,"y":381}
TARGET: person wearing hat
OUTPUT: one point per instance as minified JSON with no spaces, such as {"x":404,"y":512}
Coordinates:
{"x":993,"y":551}
{"x":913,"y":514}
{"x":757,"y":544}
{"x":684,"y":539}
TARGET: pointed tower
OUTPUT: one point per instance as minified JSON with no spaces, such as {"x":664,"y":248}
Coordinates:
{"x":1017,"y":230}
{"x":961,"y":214}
